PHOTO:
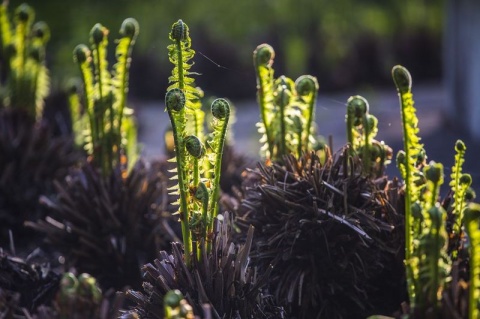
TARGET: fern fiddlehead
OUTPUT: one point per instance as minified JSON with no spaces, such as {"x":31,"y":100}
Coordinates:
{"x":459,"y":184}
{"x":430,"y":257}
{"x":307,"y":89}
{"x":112,"y":132}
{"x":263,"y":59}
{"x":121,"y":70}
{"x":287,"y":108}
{"x":23,"y":50}
{"x":408,"y":164}
{"x":221,"y":114}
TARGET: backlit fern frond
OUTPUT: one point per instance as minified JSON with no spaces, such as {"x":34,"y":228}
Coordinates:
{"x":23,"y":50}
{"x":129,"y":32}
{"x":408,"y":164}
{"x":105,"y":97}
{"x":263,"y":60}
{"x":180,"y":54}
{"x":221,"y":115}
{"x":362,"y":128}
{"x":459,"y":184}
{"x":472,"y":226}
{"x":286,"y":108}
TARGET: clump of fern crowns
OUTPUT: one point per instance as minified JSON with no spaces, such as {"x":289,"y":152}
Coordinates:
{"x":287,"y":108}
{"x":105,"y":123}
{"x":198,"y":162}
{"x":23,"y":55}
{"x":429,"y":249}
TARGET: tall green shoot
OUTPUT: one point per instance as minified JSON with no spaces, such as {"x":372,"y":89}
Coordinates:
{"x":472,"y":226}
{"x":287,"y":108}
{"x":111,"y":137}
{"x":460,"y":182}
{"x":362,"y":127}
{"x":407,"y":163}
{"x":198,"y":162}
{"x":23,"y":48}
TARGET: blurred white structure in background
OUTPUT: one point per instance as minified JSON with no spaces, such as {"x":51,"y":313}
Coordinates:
{"x":462,"y":64}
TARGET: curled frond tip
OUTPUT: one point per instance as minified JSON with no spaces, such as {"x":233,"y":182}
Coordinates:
{"x":402,"y":79}
{"x":175,"y":100}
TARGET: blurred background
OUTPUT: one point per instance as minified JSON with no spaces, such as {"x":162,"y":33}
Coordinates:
{"x":345,"y":43}
{"x":349,"y":45}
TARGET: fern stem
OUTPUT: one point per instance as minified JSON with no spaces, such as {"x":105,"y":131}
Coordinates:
{"x":221,"y":112}
{"x":129,"y":30}
{"x":263,"y":59}
{"x":175,"y":105}
{"x":472,"y":226}
{"x":403,"y":83}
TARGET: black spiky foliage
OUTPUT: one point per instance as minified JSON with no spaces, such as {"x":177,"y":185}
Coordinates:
{"x":222,"y":279}
{"x":32,"y":157}
{"x":24,"y":286}
{"x":105,"y":227}
{"x":332,"y":236}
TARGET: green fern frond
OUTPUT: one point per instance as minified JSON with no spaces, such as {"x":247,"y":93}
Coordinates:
{"x":459,"y":185}
{"x":263,"y":57}
{"x":472,"y":227}
{"x":5,"y":28}
{"x":112,"y":131}
{"x":129,"y":138}
{"x":23,"y":49}
{"x":221,"y":114}
{"x":180,"y":54}
{"x":128,"y":32}
{"x":413,"y":150}
{"x":175,"y":102}
{"x":307,"y":89}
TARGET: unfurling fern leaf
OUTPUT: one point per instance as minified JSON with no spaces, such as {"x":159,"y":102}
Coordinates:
{"x":472,"y":226}
{"x":408,"y":165}
{"x":112,"y":136}
{"x":221,"y":115}
{"x":459,"y":184}
{"x":263,"y":60}
{"x":23,"y":49}
{"x":287,"y":108}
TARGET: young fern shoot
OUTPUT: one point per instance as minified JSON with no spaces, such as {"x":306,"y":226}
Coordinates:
{"x":431,"y":262}
{"x":198,"y":166}
{"x":111,"y":138}
{"x":27,"y":79}
{"x":287,"y":108}
{"x":407,"y":163}
{"x":459,"y":184}
{"x":472,"y":227}
{"x":361,"y":131}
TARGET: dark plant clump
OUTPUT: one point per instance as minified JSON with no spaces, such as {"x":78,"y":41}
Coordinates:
{"x":222,"y":279}
{"x":24,"y":286}
{"x":332,"y":236}
{"x":31,"y":159}
{"x":111,"y":223}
